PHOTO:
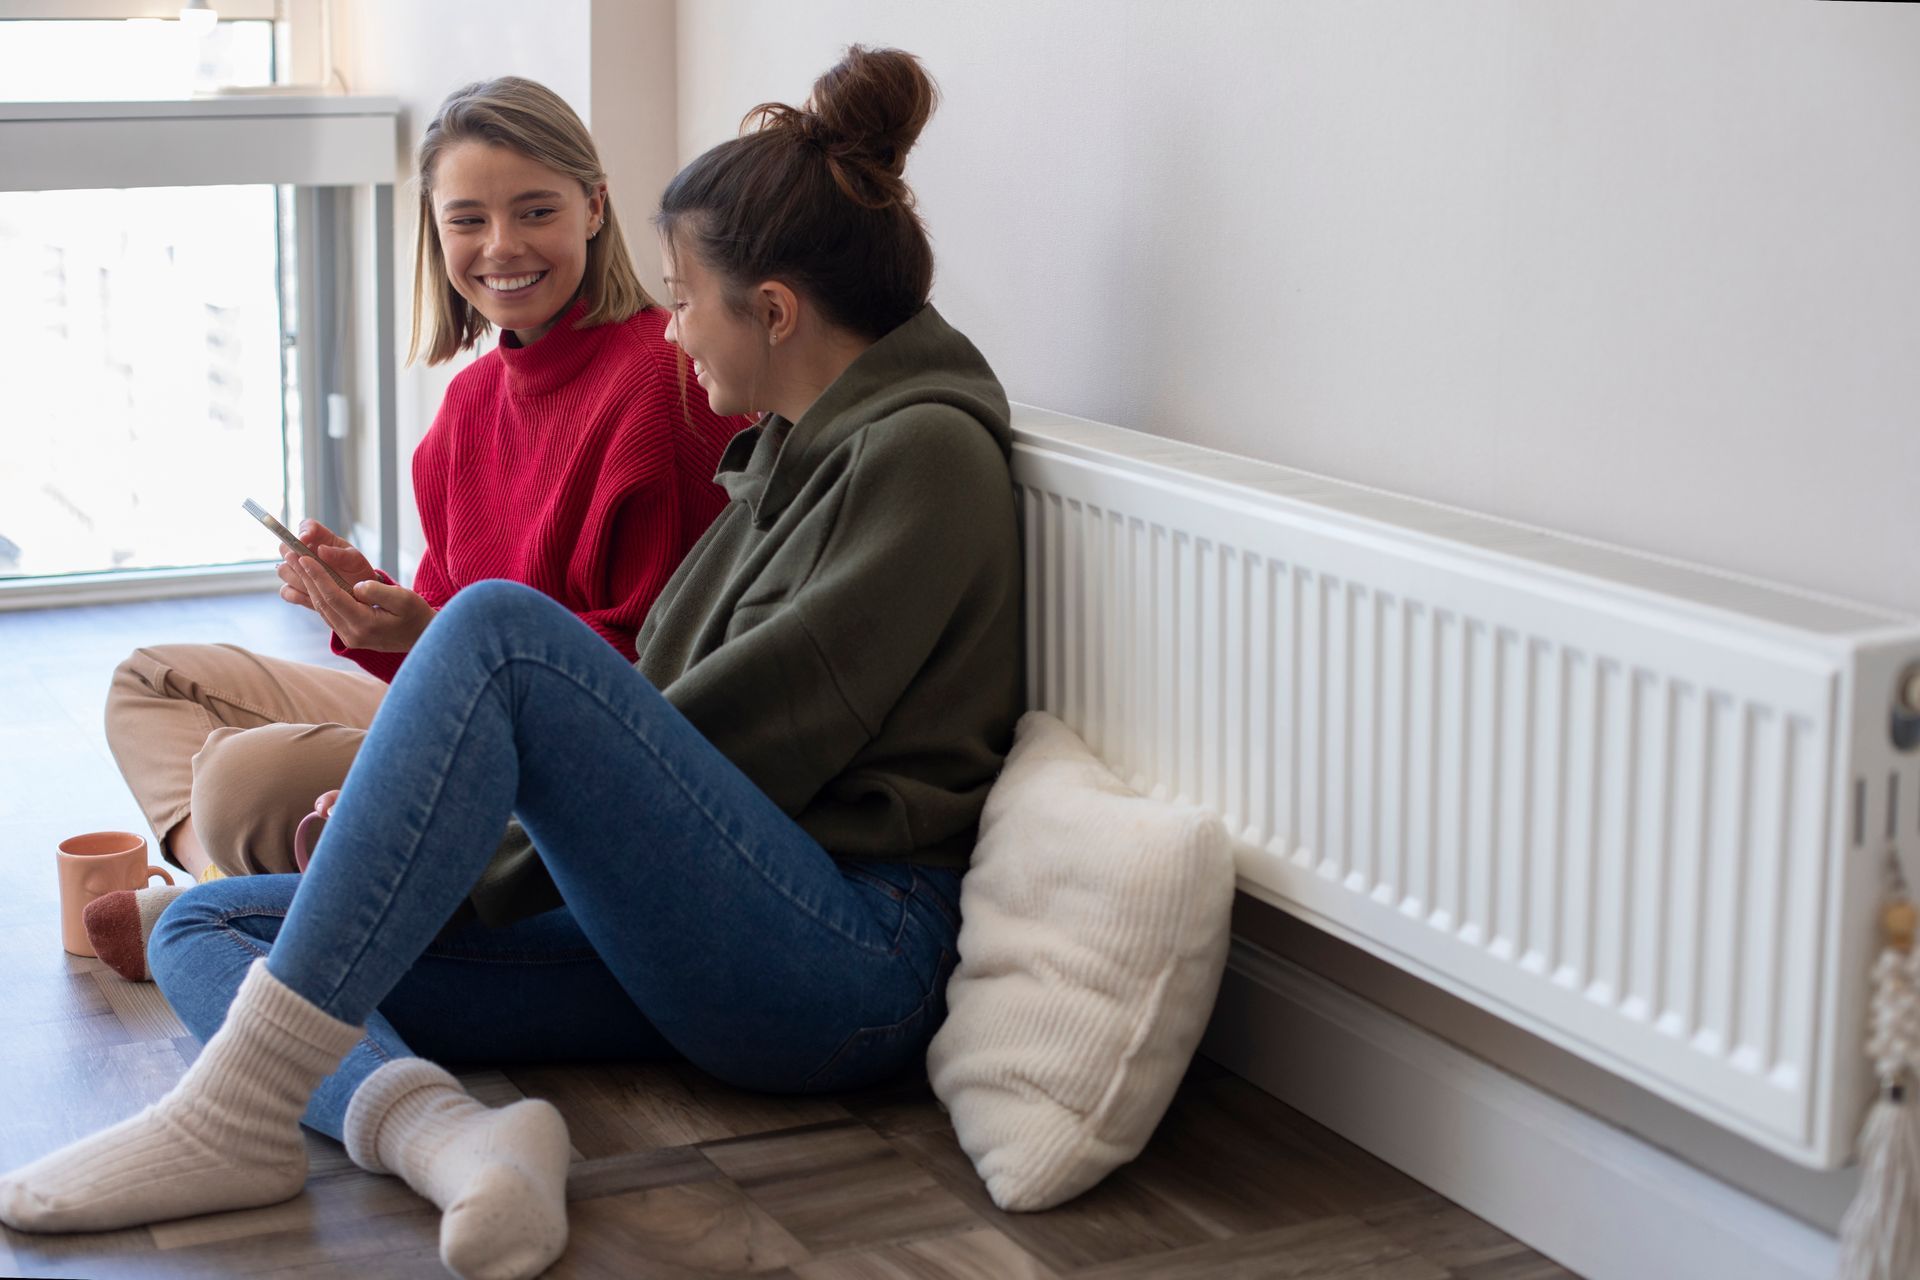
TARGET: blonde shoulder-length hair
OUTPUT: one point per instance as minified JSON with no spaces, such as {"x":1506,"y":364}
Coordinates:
{"x":535,"y":121}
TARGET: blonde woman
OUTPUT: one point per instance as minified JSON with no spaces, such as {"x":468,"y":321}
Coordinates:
{"x":576,"y":458}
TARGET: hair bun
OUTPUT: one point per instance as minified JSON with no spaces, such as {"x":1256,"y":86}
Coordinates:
{"x":864,"y":115}
{"x":874,"y":102}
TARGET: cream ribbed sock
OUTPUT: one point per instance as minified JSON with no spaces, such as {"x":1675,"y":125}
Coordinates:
{"x":499,"y":1177}
{"x":226,"y":1137}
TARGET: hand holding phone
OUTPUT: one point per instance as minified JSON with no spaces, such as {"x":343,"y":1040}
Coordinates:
{"x":370,"y":613}
{"x":285,"y":535}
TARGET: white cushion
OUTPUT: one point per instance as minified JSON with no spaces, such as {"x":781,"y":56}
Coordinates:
{"x":1094,"y":926}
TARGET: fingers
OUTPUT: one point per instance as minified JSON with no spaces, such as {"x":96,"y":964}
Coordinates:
{"x":347,"y":560}
{"x":403,"y":614}
{"x":293,"y":586}
{"x":394,"y":599}
{"x":317,"y":535}
{"x":338,"y":608}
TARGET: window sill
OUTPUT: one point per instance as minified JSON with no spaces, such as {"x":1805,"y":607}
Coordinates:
{"x":298,"y":139}
{"x":119,"y":586}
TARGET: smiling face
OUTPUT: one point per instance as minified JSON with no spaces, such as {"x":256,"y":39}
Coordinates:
{"x":731,"y":354}
{"x":513,"y":233}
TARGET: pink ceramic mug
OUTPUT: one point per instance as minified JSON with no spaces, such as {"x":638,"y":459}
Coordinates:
{"x":94,"y":864}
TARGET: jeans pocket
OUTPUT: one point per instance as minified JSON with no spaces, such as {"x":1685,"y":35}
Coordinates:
{"x":884,"y":890}
{"x":940,"y":890}
{"x":873,"y":1054}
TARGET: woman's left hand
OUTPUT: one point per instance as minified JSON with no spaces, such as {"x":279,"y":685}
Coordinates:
{"x":374,"y":615}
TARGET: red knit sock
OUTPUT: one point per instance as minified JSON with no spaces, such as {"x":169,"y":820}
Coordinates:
{"x":118,"y":925}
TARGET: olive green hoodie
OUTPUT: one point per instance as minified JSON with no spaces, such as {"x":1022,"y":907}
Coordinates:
{"x":848,"y":630}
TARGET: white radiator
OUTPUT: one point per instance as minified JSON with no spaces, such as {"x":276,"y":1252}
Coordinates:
{"x":1639,"y":808}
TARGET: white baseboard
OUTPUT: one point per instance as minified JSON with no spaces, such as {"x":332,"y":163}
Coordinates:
{"x":1588,"y":1195}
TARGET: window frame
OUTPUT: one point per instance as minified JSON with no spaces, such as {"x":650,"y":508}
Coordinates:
{"x":323,"y":146}
{"x":110,"y":10}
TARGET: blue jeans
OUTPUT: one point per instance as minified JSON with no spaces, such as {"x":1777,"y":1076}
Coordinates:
{"x":700,"y":920}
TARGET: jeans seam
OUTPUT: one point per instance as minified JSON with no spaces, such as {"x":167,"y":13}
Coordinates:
{"x":410,"y":861}
{"x":666,"y":765}
{"x":885,"y":1032}
{"x":933,"y":898}
{"x":516,"y":958}
{"x":239,"y":937}
{"x":245,"y":941}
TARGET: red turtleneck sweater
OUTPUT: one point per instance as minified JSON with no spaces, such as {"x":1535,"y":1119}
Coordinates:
{"x":581,"y":466}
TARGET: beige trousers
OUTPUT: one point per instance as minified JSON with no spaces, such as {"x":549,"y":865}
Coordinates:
{"x":242,"y":742}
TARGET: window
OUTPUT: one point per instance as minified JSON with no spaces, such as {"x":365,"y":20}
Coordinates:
{"x":141,"y":58}
{"x":146,"y":371}
{"x":156,"y":353}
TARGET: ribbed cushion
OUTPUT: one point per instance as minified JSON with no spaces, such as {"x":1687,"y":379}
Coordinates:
{"x":1094,"y":933}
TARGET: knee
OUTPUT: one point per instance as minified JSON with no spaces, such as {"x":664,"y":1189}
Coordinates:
{"x":187,"y":917}
{"x":189,"y":923}
{"x":155,"y":677}
{"x":205,"y":930}
{"x":164,"y":670}
{"x":140,"y":678}
{"x":251,"y":787}
{"x":134,"y":676}
{"x":491,"y":602}
{"x":493,"y":610}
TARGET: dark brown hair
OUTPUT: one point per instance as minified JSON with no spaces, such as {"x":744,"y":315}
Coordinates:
{"x":814,"y":196}
{"x":537,"y":122}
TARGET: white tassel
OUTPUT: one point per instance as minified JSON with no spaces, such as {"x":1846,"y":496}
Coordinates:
{"x":1880,"y":1236}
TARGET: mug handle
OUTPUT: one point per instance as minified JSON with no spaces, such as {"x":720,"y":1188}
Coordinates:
{"x":306,"y":838}
{"x":153,"y":871}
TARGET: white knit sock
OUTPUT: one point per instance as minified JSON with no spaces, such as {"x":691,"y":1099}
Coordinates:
{"x":227,"y":1136}
{"x":499,"y":1177}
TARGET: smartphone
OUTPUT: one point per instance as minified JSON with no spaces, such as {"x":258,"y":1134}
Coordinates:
{"x":285,"y":535}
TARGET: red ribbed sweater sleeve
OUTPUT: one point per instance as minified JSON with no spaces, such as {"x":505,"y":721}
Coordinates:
{"x":581,"y":466}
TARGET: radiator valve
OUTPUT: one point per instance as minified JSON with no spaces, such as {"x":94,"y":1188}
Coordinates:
{"x":1906,"y":709}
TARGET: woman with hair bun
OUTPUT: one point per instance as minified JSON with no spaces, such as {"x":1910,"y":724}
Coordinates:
{"x":750,"y":840}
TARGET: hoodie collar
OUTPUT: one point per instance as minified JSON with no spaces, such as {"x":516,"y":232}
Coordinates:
{"x":924,"y":360}
{"x":748,"y":460}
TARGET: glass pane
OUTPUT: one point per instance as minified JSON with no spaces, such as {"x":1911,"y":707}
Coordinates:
{"x":144,"y":364}
{"x":82,"y":61}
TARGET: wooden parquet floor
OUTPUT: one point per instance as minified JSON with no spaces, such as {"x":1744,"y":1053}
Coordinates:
{"x":676,"y":1176}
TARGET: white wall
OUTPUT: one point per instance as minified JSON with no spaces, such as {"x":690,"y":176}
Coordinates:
{"x":1640,"y":270}
{"x":633,"y":116}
